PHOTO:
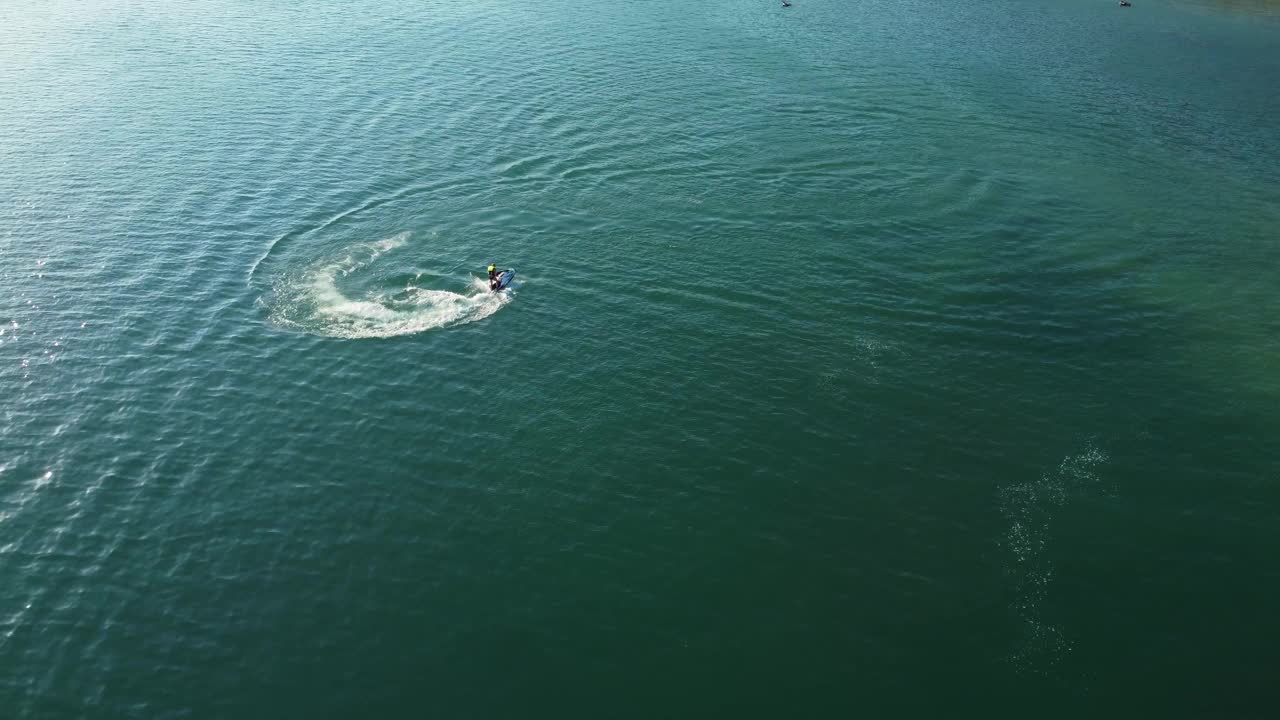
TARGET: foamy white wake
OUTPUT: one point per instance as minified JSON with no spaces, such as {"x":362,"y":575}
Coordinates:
{"x":316,"y":302}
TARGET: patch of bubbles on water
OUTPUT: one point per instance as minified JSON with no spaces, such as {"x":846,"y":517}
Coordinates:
{"x":865,"y":358}
{"x":1030,"y":509}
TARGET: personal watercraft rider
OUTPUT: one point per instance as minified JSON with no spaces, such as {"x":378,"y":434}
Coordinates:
{"x":493,"y":277}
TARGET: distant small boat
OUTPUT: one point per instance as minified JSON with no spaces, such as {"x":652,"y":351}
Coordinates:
{"x":785,"y":3}
{"x":1125,"y":3}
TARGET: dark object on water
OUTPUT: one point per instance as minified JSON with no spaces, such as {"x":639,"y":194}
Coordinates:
{"x":1125,"y":3}
{"x":785,"y":3}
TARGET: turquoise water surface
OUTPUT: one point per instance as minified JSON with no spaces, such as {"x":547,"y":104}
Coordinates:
{"x":866,"y":359}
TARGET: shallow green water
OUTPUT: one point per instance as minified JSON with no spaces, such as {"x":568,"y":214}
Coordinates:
{"x":876,"y":358}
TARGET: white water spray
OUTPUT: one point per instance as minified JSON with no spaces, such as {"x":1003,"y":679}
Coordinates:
{"x":316,"y":301}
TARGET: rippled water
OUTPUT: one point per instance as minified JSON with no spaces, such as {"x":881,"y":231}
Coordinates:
{"x":902,"y":359}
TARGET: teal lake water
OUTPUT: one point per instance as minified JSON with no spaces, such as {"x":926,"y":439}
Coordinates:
{"x":866,"y":359}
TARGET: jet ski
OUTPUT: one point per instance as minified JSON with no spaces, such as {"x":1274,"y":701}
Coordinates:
{"x":504,"y":279}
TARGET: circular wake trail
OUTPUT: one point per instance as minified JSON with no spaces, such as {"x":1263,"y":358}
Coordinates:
{"x":328,"y":298}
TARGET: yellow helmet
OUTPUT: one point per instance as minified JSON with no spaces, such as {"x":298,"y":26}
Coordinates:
{"x":490,"y":268}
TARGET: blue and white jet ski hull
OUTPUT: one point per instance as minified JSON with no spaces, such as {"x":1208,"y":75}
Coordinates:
{"x":505,"y":278}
